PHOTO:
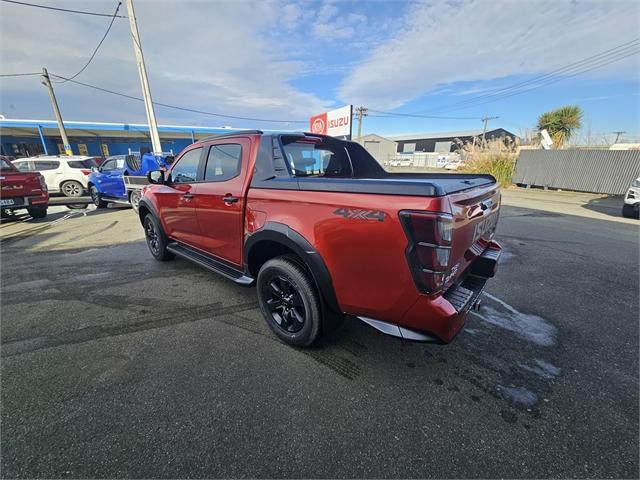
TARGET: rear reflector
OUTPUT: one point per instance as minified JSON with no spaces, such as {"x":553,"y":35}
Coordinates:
{"x":430,"y":236}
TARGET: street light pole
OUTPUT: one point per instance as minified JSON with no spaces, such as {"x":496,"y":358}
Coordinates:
{"x":144,"y":81}
{"x":46,"y":81}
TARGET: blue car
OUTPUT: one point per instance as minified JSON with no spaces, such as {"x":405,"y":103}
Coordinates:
{"x":106,"y":183}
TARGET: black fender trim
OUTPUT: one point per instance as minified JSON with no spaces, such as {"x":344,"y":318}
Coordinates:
{"x":281,"y":233}
{"x":148,"y":206}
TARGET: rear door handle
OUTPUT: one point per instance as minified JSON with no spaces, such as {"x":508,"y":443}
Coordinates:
{"x":228,"y":198}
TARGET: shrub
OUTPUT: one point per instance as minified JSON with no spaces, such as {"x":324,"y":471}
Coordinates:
{"x":497,"y":158}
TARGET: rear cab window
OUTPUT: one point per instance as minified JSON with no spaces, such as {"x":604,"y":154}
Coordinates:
{"x":311,"y":157}
{"x":5,"y":166}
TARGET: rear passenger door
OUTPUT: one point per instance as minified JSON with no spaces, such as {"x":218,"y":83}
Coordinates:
{"x":220,"y":200}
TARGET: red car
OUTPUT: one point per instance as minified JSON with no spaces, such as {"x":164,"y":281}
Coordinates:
{"x":324,"y":231}
{"x":22,"y":190}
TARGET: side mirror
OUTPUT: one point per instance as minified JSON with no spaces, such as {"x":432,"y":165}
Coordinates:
{"x":156,"y":177}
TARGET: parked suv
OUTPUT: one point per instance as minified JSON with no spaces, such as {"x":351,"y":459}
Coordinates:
{"x":63,"y":174}
{"x":323,"y":230}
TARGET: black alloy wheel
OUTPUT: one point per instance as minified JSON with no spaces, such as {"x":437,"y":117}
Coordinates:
{"x":289,"y":301}
{"x":152,"y":235}
{"x":285,"y":304}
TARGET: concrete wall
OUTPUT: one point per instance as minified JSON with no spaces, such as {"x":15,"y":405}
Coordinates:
{"x":380,"y":148}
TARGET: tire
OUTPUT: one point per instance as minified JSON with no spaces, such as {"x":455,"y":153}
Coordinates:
{"x":37,"y":212}
{"x":629,"y":211}
{"x":71,"y":188}
{"x":95,"y":196}
{"x":156,"y":239}
{"x":134,"y":199}
{"x":289,"y":302}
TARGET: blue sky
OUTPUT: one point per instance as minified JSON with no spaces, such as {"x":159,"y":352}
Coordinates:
{"x":291,"y":59}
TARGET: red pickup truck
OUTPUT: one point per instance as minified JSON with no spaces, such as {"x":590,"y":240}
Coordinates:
{"x":324,"y":231}
{"x":20,"y":190}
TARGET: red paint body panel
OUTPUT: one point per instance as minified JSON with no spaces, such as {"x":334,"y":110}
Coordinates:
{"x":366,"y":258}
{"x":27,"y":185}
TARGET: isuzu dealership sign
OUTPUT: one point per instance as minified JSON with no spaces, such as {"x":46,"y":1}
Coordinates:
{"x":336,"y":123}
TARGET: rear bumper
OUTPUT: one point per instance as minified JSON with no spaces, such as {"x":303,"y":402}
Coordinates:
{"x":439,"y":319}
{"x":40,"y":200}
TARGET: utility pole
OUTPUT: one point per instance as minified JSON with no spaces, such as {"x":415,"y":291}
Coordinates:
{"x":484,"y":130}
{"x":144,"y":81}
{"x":361,"y":112}
{"x":618,"y":134}
{"x":56,"y":111}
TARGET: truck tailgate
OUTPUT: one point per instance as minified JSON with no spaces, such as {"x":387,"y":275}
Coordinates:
{"x":475,"y":215}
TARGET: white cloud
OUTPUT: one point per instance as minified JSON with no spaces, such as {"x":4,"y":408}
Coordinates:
{"x":442,"y":43}
{"x":213,"y":56}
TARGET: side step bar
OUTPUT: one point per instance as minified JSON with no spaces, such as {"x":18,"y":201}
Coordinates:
{"x":211,"y":263}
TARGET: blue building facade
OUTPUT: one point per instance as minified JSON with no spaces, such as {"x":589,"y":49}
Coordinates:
{"x":24,"y":138}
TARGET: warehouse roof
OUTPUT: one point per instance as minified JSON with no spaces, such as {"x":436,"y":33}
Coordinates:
{"x":458,"y":134}
{"x":77,"y":129}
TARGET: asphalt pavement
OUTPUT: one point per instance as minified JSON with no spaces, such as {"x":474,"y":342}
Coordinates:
{"x":115,"y":365}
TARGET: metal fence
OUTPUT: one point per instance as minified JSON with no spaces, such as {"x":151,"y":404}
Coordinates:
{"x":597,"y":171}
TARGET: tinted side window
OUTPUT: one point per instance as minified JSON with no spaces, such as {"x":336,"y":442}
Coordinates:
{"x":46,"y":165}
{"x":309,"y":159}
{"x":223,"y":162}
{"x":82,"y":163}
{"x":186,"y":169}
{"x":108,"y":165}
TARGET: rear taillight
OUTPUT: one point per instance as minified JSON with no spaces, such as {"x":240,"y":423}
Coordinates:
{"x":85,"y":171}
{"x":430,"y":237}
{"x":43,"y":184}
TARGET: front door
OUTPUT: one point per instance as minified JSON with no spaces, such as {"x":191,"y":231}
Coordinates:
{"x":110,"y":176}
{"x":220,"y":200}
{"x":176,"y":199}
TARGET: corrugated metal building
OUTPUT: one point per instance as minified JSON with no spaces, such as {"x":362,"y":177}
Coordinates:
{"x":33,"y":137}
{"x":444,"y":142}
{"x":597,"y":171}
{"x":380,"y":148}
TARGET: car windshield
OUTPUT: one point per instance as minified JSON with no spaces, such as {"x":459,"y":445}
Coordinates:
{"x":5,"y":166}
{"x":88,"y":163}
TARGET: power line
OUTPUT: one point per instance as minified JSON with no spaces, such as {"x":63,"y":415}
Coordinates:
{"x":19,"y":74}
{"x":82,"y":12}
{"x":98,"y":47}
{"x":576,"y":68}
{"x":176,"y":107}
{"x":414,"y":115}
{"x":549,"y":82}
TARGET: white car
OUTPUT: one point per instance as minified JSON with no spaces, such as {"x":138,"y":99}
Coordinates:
{"x":631,"y":207}
{"x":453,"y":164}
{"x":62,"y":174}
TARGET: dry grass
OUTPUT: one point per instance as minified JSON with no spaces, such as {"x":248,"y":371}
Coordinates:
{"x":497,"y":158}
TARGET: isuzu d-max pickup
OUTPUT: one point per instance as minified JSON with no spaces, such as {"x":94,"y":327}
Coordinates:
{"x":323,"y":231}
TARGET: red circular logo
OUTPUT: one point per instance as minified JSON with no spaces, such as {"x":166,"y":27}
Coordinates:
{"x":318,"y":126}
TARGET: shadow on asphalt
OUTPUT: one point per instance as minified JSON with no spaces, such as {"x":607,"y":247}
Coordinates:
{"x":608,"y":205}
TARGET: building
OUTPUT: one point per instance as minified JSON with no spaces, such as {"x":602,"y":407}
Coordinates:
{"x":23,"y":138}
{"x":445,"y":142}
{"x":380,"y":148}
